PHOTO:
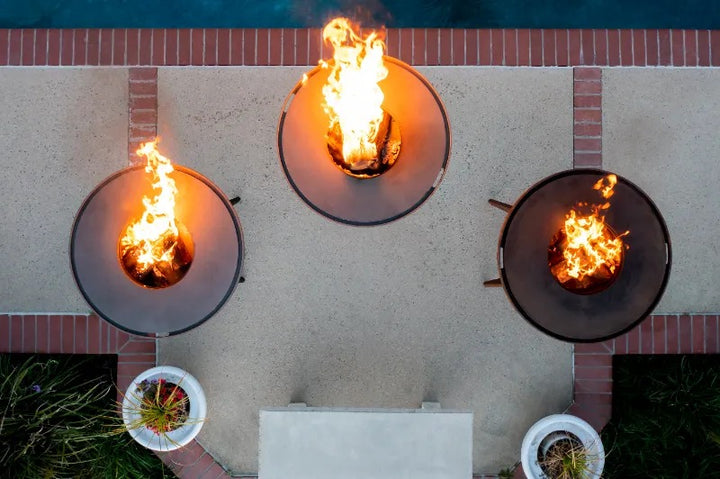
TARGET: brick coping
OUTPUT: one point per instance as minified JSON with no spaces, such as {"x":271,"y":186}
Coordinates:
{"x":658,"y":334}
{"x":416,"y":46}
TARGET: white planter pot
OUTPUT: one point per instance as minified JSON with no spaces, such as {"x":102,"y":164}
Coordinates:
{"x":561,"y":422}
{"x":180,"y":436}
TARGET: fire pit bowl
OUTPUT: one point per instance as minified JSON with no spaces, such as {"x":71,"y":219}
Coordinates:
{"x":419,"y":168}
{"x":215,"y":271}
{"x":539,"y":297}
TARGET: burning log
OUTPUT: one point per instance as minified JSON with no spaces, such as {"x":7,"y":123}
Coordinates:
{"x":163,"y":273}
{"x":363,"y":139}
{"x":387,"y":148}
{"x":156,"y":250}
{"x":586,"y":255}
{"x":602,"y":277}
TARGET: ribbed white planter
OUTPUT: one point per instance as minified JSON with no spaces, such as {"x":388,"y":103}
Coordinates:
{"x":180,"y":436}
{"x":561,"y":423}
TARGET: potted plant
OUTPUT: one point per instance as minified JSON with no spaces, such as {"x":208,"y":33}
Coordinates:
{"x":562,"y":446}
{"x":164,"y":408}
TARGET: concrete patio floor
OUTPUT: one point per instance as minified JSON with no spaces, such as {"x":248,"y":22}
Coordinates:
{"x":334,"y":315}
{"x":384,"y":316}
{"x":661,"y":131}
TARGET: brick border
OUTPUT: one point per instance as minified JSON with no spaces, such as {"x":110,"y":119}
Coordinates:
{"x":587,"y":117}
{"x":416,"y":46}
{"x":77,"y":334}
{"x":658,"y":334}
{"x":194,"y":462}
{"x":142,"y":110}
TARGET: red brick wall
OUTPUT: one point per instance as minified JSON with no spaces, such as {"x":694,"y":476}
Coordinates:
{"x":417,"y":46}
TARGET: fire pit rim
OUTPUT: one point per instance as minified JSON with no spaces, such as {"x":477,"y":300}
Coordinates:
{"x":441,"y":174}
{"x":549,"y":179}
{"x":233,"y":215}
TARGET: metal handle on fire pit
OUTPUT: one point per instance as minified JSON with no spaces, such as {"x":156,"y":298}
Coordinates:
{"x":499,"y":204}
{"x":233,"y":201}
{"x":493,"y":283}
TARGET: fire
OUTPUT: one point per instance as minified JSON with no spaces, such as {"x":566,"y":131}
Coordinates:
{"x":605,"y":187}
{"x":155,"y":250}
{"x":353,"y":98}
{"x":591,"y":252}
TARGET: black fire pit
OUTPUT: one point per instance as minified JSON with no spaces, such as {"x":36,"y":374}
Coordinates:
{"x":215,"y":270}
{"x":419,"y":168}
{"x":523,"y":258}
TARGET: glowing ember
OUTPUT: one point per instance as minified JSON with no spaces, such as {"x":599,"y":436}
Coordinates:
{"x":156,"y":250}
{"x":362,"y":138}
{"x":586,"y":255}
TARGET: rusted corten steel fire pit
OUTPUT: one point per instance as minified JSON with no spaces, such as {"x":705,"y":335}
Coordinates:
{"x":527,"y":254}
{"x":419,"y":119}
{"x":148,"y":309}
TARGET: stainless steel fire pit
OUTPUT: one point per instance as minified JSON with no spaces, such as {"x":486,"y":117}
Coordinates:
{"x":420,"y":167}
{"x":537,"y":295}
{"x":215,"y":271}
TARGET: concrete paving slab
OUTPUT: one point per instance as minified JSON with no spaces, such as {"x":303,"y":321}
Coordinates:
{"x":385,"y":316}
{"x":327,"y":443}
{"x":660,"y":128}
{"x":63,"y":131}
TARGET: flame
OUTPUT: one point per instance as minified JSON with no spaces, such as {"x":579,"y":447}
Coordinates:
{"x":353,"y":98}
{"x":605,"y":186}
{"x":155,"y":235}
{"x":590,"y":247}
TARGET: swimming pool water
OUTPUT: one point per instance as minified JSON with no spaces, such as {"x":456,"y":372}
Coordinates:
{"x":695,"y":14}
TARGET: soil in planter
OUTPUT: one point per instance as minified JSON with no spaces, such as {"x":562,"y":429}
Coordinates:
{"x":54,"y":443}
{"x":666,"y":418}
{"x":563,"y":457}
{"x":167,"y":390}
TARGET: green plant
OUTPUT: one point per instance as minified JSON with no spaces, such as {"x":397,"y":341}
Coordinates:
{"x":54,"y":422}
{"x":567,"y":458}
{"x":121,"y":457}
{"x":666,"y":411}
{"x":49,"y":416}
{"x":160,"y":406}
{"x":506,"y":473}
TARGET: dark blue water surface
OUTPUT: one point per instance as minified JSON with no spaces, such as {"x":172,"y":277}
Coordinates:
{"x":701,"y":14}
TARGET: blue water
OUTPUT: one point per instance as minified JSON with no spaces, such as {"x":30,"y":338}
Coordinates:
{"x":701,"y":14}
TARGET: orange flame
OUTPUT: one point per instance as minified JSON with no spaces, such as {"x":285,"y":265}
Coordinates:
{"x":353,"y":98}
{"x":155,"y":234}
{"x":590,"y":244}
{"x":605,"y":186}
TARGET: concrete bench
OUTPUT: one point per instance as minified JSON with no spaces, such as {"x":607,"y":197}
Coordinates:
{"x":336,"y":443}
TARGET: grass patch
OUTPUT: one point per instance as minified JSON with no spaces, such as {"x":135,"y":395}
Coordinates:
{"x":666,"y":418}
{"x":58,"y":421}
